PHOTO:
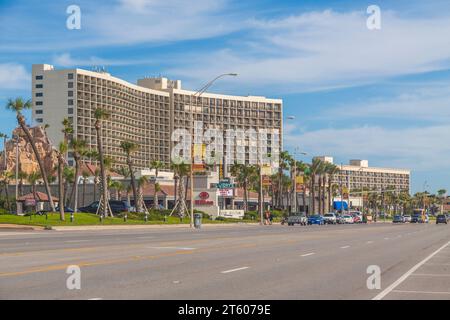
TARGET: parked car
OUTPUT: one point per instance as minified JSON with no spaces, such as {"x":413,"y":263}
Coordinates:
{"x":66,"y":209}
{"x":340,"y":219}
{"x":116,"y":207}
{"x":398,"y":219}
{"x":418,"y":218}
{"x":407,"y":218}
{"x":441,"y":219}
{"x":348,"y":219}
{"x":356,"y":218}
{"x":330,"y":218}
{"x":316,"y":219}
{"x":297,"y":219}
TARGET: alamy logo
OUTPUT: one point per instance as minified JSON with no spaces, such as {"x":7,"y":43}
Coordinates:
{"x":73,"y":282}
{"x":374,"y":280}
{"x":74,"y":20}
{"x":209,"y":146}
{"x":374,"y":20}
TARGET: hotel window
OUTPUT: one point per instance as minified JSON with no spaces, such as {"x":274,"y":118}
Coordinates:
{"x":70,"y":93}
{"x":70,"y":102}
{"x":39,"y":103}
{"x":39,"y":77}
{"x":39,"y":111}
{"x":70,"y":111}
{"x":70,"y":85}
{"x":39,"y":120}
{"x":39,"y":86}
{"x":70,"y":76}
{"x":39,"y":94}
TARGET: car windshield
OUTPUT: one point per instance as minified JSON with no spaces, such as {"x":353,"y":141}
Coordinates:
{"x":329,"y":215}
{"x":315,"y":216}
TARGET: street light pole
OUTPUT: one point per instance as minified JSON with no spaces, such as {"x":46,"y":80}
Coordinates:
{"x":17,"y":173}
{"x":191,"y":175}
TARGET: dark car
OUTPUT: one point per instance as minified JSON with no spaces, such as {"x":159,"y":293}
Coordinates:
{"x":441,"y":219}
{"x":66,"y":209}
{"x":116,"y":207}
{"x":398,"y":219}
{"x":416,"y":218}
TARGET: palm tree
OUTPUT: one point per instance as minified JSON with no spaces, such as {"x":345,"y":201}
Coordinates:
{"x":5,"y":178}
{"x":85,"y":178}
{"x":331,"y":170}
{"x":100,"y":115}
{"x":441,"y":194}
{"x":22,"y":176}
{"x":141,"y":182}
{"x":62,"y":150}
{"x":79,"y":150}
{"x":129,"y":147}
{"x":157,"y":165}
{"x":33,"y":178}
{"x":118,"y":187}
{"x":315,"y":169}
{"x":243,"y":174}
{"x":180,"y":171}
{"x":4,"y":136}
{"x":285,"y":158}
{"x":68,"y":174}
{"x":18,"y":105}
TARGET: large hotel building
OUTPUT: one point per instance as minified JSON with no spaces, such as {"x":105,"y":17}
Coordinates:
{"x":146,"y":113}
{"x":357,"y":175}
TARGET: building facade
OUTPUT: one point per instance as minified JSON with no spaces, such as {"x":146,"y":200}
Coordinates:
{"x":147,"y":113}
{"x":357,"y":175}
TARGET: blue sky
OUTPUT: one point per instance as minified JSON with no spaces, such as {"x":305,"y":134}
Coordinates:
{"x":380,"y":95}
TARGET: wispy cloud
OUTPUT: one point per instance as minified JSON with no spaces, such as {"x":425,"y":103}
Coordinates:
{"x":14,"y":76}
{"x":328,"y":49}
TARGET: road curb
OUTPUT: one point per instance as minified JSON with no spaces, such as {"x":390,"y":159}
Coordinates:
{"x":143,"y":227}
{"x":19,"y":227}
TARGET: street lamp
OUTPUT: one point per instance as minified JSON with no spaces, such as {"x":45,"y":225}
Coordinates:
{"x":195,"y":96}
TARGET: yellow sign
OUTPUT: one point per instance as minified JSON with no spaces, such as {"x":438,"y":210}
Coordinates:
{"x":299,"y":180}
{"x":266,"y":170}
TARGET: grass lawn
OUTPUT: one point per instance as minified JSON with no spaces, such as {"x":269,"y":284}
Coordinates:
{"x":85,"y":219}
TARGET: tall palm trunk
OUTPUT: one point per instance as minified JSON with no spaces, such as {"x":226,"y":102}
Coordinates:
{"x":8,"y":204}
{"x":312,"y":194}
{"x":21,"y":121}
{"x":320,"y":195}
{"x":74,"y":191}
{"x":245,"y":187}
{"x":61,"y":187}
{"x":104,"y":185}
{"x":137,"y":202}
{"x":84,"y":192}
{"x":330,"y":192}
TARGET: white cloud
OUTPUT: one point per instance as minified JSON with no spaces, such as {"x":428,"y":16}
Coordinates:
{"x":423,"y":148}
{"x":14,"y":76}
{"x":423,"y":102}
{"x":328,"y":49}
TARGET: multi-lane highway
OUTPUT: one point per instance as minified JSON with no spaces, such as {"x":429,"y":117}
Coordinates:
{"x":238,"y":262}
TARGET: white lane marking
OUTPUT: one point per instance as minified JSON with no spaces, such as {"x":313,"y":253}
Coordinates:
{"x":430,"y":275}
{"x":174,"y":248}
{"x":233,"y":270}
{"x":96,"y":299}
{"x":345,"y":247}
{"x":396,"y":283}
{"x":307,"y":254}
{"x":75,"y":241}
{"x":422,"y":292}
{"x":369,"y":242}
{"x":15,"y":233}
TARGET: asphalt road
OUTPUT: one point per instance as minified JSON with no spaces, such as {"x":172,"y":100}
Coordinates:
{"x":239,"y":262}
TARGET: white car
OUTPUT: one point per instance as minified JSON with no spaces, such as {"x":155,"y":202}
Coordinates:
{"x":407,"y":218}
{"x":330,"y":218}
{"x":347,"y":219}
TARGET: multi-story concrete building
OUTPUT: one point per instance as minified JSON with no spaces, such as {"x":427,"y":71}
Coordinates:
{"x":137,"y":114}
{"x":225,"y":112}
{"x":146,"y":113}
{"x":357,"y":175}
